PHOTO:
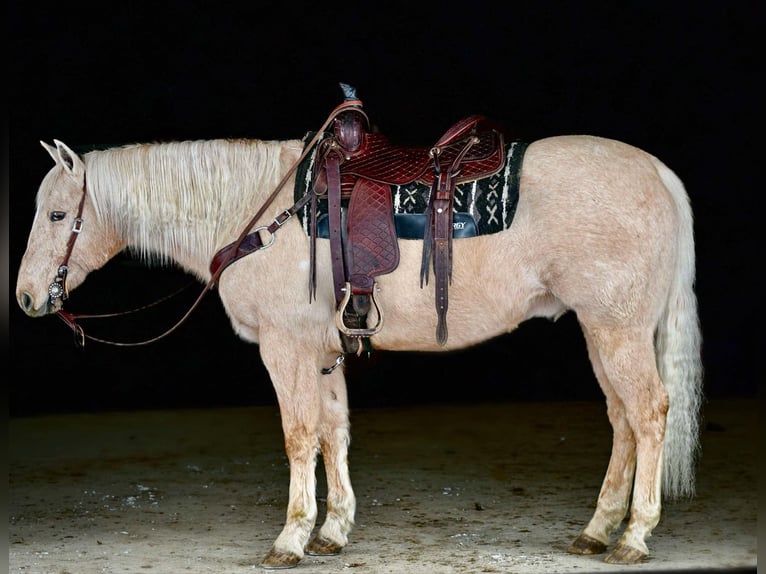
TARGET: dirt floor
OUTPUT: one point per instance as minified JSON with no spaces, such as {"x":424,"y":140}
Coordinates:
{"x":441,"y":489}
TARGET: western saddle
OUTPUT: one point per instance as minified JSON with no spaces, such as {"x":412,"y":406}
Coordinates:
{"x":357,"y":168}
{"x":353,"y":172}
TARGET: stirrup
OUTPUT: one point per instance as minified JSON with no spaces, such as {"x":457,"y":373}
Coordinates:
{"x":356,"y":332}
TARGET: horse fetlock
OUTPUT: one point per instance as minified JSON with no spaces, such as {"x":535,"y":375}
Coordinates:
{"x":336,"y":528}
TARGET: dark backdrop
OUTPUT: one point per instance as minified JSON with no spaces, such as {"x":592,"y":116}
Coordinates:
{"x":672,"y":78}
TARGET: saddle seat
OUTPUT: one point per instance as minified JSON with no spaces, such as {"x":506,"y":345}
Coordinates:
{"x":378,"y":159}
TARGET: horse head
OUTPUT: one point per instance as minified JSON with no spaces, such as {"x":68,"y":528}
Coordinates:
{"x":66,"y":241}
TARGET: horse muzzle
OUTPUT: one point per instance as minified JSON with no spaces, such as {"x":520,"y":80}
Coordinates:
{"x":27,"y":303}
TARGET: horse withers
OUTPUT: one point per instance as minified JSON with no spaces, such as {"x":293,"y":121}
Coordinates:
{"x":601,"y":229}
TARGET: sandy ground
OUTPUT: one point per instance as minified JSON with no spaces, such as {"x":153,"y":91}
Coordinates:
{"x":441,"y":489}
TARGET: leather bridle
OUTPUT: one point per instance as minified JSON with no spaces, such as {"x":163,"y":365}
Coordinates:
{"x":58,"y":289}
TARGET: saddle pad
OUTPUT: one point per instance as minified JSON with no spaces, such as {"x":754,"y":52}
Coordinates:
{"x":412,"y":225}
{"x":490,"y":202}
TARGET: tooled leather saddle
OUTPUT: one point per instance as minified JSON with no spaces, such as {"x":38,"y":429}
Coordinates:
{"x":354,"y":171}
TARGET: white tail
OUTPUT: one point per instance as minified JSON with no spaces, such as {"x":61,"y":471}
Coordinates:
{"x":678,"y":343}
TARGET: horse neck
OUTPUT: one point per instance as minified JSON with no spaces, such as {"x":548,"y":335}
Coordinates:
{"x":181,"y":202}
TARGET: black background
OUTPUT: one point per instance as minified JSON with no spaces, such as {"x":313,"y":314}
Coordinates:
{"x":672,"y":78}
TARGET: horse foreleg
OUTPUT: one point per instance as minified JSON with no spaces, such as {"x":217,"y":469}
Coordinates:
{"x":296,"y":384}
{"x":624,"y":363}
{"x":334,"y":439}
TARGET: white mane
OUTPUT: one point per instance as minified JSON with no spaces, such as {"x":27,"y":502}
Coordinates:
{"x":181,"y":199}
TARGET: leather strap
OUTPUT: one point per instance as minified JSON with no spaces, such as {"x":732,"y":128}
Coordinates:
{"x":332,"y":166}
{"x":252,"y":241}
{"x":59,"y":288}
{"x":442,"y":250}
{"x":437,"y":239}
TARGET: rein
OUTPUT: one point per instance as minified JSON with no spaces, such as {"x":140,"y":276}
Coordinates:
{"x":240,"y":247}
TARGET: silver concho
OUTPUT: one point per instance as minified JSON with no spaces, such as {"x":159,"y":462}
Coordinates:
{"x":55,"y":290}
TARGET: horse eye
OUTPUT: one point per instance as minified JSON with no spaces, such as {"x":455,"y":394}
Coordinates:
{"x":58,"y":215}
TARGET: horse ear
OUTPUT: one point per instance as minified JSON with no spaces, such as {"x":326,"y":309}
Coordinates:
{"x":51,"y":150}
{"x":70,"y":160}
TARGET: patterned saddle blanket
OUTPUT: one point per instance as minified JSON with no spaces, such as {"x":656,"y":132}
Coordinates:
{"x":481,"y":206}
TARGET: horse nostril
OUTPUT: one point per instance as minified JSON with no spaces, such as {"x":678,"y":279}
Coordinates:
{"x":25,"y":302}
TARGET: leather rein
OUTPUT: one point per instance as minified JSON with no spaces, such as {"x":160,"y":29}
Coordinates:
{"x":247,"y":242}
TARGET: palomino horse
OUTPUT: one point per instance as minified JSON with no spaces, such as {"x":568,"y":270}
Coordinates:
{"x":601,"y":228}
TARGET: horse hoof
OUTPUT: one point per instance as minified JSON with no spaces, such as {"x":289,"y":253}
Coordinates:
{"x":623,"y":554}
{"x":323,"y":547}
{"x":584,"y":544}
{"x":277,"y":560}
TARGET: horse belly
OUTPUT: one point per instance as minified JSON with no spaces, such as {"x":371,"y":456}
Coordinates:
{"x":490,"y":294}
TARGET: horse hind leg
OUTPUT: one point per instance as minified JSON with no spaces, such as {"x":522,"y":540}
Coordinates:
{"x":614,"y":497}
{"x":624,"y":364}
{"x":334,"y":440}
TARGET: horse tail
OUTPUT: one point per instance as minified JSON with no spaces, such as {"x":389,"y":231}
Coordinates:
{"x":678,"y":344}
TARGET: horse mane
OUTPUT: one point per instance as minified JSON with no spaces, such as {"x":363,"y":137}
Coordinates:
{"x":171,"y":201}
